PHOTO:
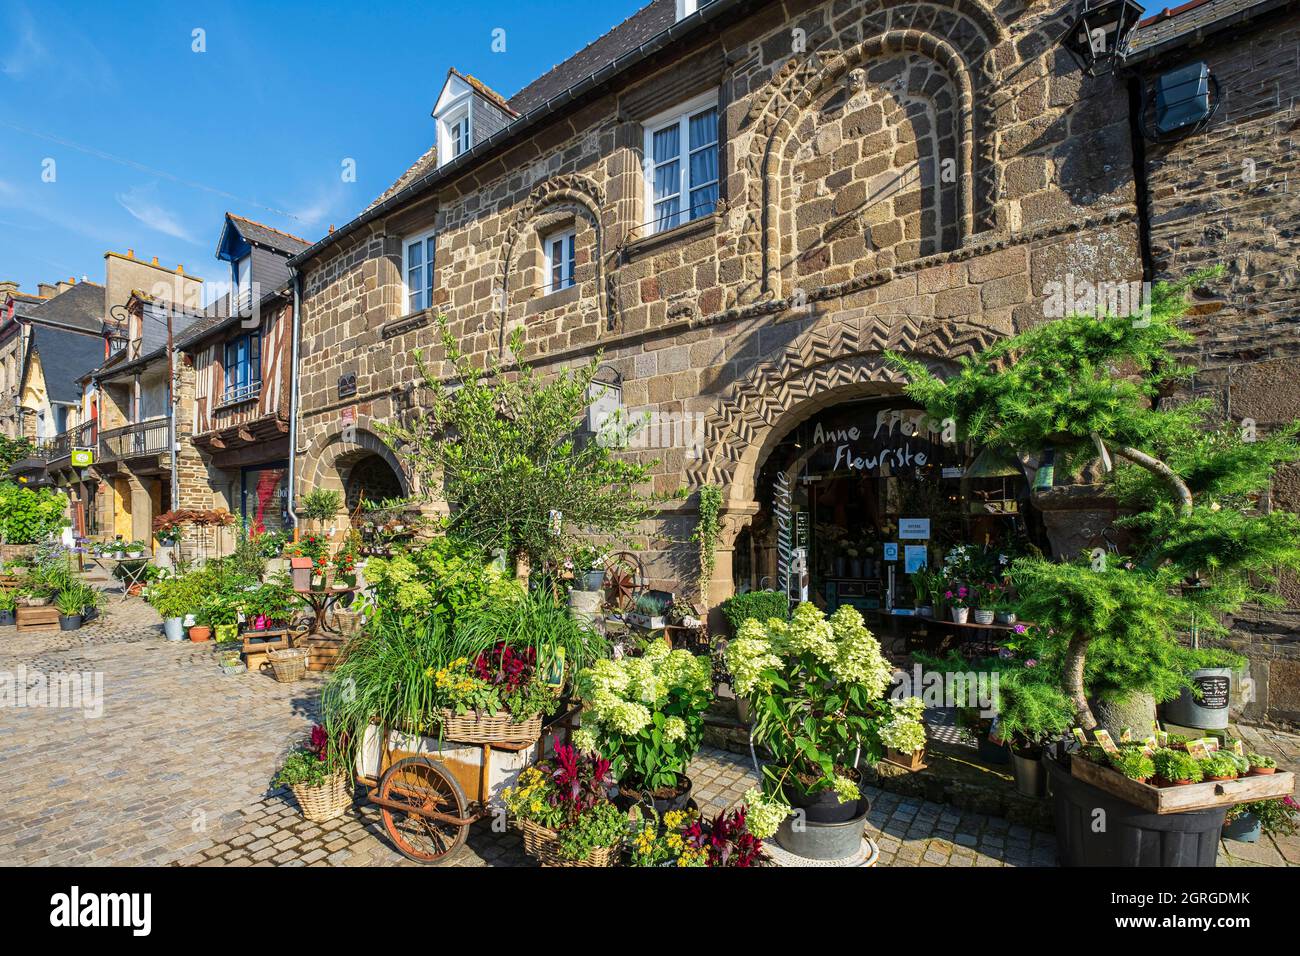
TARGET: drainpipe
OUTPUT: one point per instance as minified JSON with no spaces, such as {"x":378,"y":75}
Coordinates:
{"x":293,"y":398}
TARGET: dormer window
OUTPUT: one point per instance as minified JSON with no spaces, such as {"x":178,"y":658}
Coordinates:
{"x":458,"y":136}
{"x":686,"y":7}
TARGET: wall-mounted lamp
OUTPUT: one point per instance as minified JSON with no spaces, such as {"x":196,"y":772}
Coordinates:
{"x":1099,"y":35}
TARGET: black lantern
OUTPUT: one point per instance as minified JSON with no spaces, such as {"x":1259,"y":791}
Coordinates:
{"x":1100,"y":33}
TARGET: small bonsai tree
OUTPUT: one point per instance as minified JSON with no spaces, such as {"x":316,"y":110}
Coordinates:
{"x":1087,"y":387}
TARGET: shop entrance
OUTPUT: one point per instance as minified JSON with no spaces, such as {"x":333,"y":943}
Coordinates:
{"x":865,"y":494}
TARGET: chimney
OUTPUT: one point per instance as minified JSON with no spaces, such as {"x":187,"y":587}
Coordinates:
{"x":7,"y":288}
{"x":45,"y":290}
{"x":180,"y":269}
{"x":130,"y":253}
{"x":155,"y":260}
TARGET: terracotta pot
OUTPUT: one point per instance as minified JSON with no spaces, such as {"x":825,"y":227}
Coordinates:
{"x":1261,"y":771}
{"x":200,"y":633}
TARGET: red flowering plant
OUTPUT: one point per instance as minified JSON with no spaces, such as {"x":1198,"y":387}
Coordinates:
{"x":512,"y":674}
{"x":312,"y":546}
{"x":315,"y":763}
{"x":568,"y":793}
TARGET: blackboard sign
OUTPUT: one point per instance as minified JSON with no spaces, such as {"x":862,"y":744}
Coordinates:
{"x":1214,"y":691}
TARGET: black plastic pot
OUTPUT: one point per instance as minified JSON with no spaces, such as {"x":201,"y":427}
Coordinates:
{"x":7,"y":617}
{"x":824,"y":806}
{"x":626,"y":799}
{"x":1095,"y":828}
{"x":69,"y":622}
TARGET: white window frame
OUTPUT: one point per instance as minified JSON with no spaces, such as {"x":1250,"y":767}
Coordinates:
{"x":461,"y":113}
{"x":686,"y":7}
{"x":567,"y":264}
{"x":243,"y":269}
{"x":680,"y":116}
{"x":427,"y":241}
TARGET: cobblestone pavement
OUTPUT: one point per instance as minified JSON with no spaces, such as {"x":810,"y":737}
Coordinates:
{"x":177,"y":771}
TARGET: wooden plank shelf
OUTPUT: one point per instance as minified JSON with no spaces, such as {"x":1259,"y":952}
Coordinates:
{"x":1189,"y":796}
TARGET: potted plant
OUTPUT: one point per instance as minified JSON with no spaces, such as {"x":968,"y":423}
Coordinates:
{"x":173,"y":598}
{"x":232,"y":662}
{"x":200,"y":630}
{"x":1175,"y":768}
{"x":818,"y":689}
{"x":1260,"y":765}
{"x":345,"y":567}
{"x":317,"y":775}
{"x":958,"y":598}
{"x":561,"y":805}
{"x":1134,"y":763}
{"x":71,"y":603}
{"x":269,"y":605}
{"x":321,"y":505}
{"x":986,"y":597}
{"x":1247,"y":822}
{"x":498,"y":696}
{"x":8,"y":607}
{"x":924,"y":585}
{"x":646,"y":714}
{"x":1218,"y":767}
{"x":309,"y":561}
{"x":903,"y":735}
{"x":648,"y":612}
{"x":222,"y":616}
{"x":135,"y":550}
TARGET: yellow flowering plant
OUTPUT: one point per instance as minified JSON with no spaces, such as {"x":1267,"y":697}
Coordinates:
{"x":818,"y":688}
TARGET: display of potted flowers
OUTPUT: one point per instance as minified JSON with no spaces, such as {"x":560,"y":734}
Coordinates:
{"x":499,"y":696}
{"x":309,"y":561}
{"x":562,"y":806}
{"x":1247,"y":822}
{"x":8,"y":607}
{"x":817,"y":687}
{"x":647,"y":612}
{"x":318,"y":777}
{"x":1133,"y":762}
{"x":683,"y":838}
{"x":72,"y":603}
{"x":903,"y":735}
{"x":646,"y":715}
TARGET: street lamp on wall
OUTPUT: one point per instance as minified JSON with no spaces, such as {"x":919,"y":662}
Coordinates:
{"x":1099,"y":35}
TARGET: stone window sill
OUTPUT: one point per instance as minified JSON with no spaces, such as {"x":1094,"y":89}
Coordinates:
{"x":553,"y":300}
{"x":686,"y":232}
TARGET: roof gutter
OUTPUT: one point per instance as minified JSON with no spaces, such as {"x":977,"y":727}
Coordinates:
{"x":682,"y":28}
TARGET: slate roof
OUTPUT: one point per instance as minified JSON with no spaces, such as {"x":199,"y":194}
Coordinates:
{"x":65,"y":357}
{"x":262,"y":234}
{"x":649,"y":21}
{"x":80,"y":307}
{"x":1193,"y":21}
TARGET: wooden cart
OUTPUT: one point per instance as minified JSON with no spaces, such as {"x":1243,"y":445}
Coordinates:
{"x":422,"y":797}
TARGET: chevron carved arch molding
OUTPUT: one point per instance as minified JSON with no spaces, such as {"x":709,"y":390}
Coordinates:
{"x":585,"y":197}
{"x":834,"y":361}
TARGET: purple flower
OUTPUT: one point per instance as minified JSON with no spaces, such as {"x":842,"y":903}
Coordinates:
{"x":1021,"y":629}
{"x":1031,"y":663}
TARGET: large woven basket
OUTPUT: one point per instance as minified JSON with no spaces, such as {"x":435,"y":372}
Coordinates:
{"x":543,"y":845}
{"x":289,"y":664}
{"x":325,"y":802}
{"x":479,"y":727}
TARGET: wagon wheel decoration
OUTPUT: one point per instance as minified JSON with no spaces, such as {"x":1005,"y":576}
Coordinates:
{"x":624,"y":580}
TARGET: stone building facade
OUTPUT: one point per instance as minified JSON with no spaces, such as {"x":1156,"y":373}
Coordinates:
{"x":909,"y":177}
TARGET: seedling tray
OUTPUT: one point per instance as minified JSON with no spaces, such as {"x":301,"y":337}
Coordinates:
{"x":1190,"y":796}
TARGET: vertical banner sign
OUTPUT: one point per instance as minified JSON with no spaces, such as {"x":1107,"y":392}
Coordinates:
{"x":784,"y":530}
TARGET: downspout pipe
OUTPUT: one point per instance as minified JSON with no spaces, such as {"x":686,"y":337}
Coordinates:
{"x":296,"y":330}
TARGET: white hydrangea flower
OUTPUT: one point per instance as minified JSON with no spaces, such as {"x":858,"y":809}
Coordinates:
{"x":763,"y":814}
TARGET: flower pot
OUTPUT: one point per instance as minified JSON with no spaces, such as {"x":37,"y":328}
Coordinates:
{"x":69,"y":622}
{"x":913,"y":761}
{"x":1254,"y":771}
{"x":134,"y":555}
{"x":824,"y":807}
{"x":925,"y":610}
{"x":593,"y":580}
{"x":1245,"y":829}
{"x":326,"y":802}
{"x":7,"y":617}
{"x":1132,"y":836}
{"x":959,"y":614}
{"x":200,"y":633}
{"x":1209,"y":713}
{"x":236,"y":668}
{"x":1005,"y":618}
{"x":626,"y":798}
{"x":983,"y":617}
{"x":174,"y":628}
{"x":812,"y":839}
{"x":188,"y":620}
{"x":1027,"y":767}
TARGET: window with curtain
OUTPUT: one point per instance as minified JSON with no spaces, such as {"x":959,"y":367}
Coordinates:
{"x":559,"y":248}
{"x":682,"y":165}
{"x":243,"y":367}
{"x":419,"y":272}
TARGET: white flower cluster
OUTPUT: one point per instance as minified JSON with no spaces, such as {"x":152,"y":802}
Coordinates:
{"x":905,"y":731}
{"x":622,"y":694}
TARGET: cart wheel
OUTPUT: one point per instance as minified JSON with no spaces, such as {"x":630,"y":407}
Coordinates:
{"x":423,"y":785}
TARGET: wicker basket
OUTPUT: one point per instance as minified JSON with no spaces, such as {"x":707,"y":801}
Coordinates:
{"x":289,"y":664}
{"x":325,"y":802}
{"x":543,"y":845}
{"x":479,"y":727}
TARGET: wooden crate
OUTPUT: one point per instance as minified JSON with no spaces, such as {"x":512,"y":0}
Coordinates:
{"x":258,"y":643}
{"x":322,"y":651}
{"x":1191,"y":796}
{"x":37,"y":618}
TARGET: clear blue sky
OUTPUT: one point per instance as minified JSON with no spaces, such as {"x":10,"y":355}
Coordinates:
{"x":283,"y":94}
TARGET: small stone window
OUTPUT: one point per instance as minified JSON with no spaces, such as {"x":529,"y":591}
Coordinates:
{"x":559,"y":251}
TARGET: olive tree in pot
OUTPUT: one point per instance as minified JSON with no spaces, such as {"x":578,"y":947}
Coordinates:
{"x":646,"y":716}
{"x":818,"y":691}
{"x":1115,"y":625}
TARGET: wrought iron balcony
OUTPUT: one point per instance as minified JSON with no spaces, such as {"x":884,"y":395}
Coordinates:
{"x":137,"y":440}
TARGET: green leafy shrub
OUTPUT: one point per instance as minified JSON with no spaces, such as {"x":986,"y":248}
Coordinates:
{"x":1174,"y":765}
{"x":446,"y":576}
{"x":321,"y":504}
{"x":29,"y":515}
{"x":755,"y":605}
{"x":1260,"y":761}
{"x":1219,"y":765}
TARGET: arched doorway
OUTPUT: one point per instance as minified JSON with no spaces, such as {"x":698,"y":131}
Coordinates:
{"x":370,"y":478}
{"x":863,"y":493}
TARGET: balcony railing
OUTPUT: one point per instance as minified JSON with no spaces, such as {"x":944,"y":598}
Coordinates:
{"x":134,"y":441}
